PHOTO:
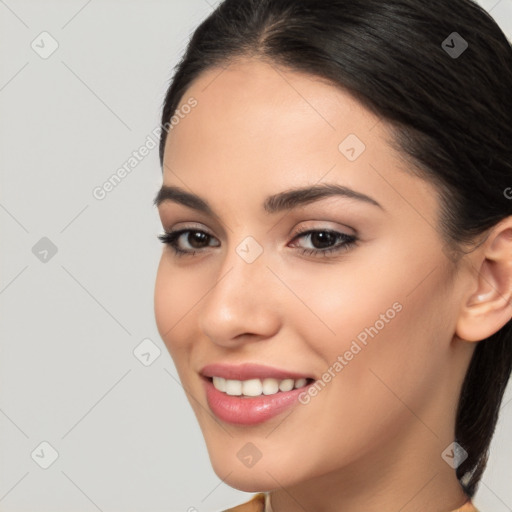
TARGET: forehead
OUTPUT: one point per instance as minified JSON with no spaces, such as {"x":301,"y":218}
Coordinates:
{"x":254,"y":108}
{"x":259,"y":95}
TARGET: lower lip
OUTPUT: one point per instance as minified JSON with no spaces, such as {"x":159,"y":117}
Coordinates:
{"x":241,"y":410}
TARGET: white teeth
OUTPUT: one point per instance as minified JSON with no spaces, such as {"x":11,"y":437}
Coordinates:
{"x":252,"y":387}
{"x":270,"y":386}
{"x":219,"y":383}
{"x":233,"y":387}
{"x":286,"y":385}
{"x":256,"y":387}
{"x":300,"y":382}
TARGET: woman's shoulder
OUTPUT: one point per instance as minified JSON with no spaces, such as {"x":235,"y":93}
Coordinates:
{"x":255,"y":504}
{"x":467,"y":507}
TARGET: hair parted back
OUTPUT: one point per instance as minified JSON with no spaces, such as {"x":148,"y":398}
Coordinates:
{"x":451,"y":117}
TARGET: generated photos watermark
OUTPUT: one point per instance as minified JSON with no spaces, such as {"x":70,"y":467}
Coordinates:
{"x":355,"y":348}
{"x":100,"y":192}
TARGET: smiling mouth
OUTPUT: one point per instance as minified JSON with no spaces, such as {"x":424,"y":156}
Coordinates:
{"x":257,"y":387}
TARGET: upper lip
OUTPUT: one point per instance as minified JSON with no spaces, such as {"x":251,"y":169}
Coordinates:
{"x":248,"y":371}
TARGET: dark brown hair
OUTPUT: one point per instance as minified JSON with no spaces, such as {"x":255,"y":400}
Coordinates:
{"x":450,"y":108}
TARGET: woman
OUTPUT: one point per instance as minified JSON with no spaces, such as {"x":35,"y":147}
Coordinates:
{"x":335,"y":286}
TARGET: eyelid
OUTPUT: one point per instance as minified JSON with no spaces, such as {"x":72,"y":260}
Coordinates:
{"x":181,"y":226}
{"x":171,"y":219}
{"x":339,"y":228}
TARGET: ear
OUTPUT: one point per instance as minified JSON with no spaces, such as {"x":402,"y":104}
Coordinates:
{"x":487,"y":305}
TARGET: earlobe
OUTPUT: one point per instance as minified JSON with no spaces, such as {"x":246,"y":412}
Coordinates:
{"x":488,"y":305}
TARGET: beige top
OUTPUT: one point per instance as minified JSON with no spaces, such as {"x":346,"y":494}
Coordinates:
{"x":261,"y":503}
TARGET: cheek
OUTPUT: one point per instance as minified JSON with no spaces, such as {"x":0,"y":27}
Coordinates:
{"x":350,"y":300}
{"x":375,"y":330}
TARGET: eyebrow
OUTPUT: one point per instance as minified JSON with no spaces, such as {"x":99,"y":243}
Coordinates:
{"x":286,"y":200}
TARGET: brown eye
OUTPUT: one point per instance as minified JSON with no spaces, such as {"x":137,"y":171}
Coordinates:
{"x":324,"y":241}
{"x":195,"y":238}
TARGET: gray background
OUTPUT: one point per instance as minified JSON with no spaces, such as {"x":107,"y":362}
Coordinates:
{"x":125,"y":434}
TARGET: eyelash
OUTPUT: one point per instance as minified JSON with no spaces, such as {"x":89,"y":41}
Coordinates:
{"x":170,"y":239}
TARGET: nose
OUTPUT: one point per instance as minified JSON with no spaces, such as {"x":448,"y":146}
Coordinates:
{"x":243,"y":304}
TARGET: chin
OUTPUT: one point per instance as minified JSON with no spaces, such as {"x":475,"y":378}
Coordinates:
{"x":249,"y":480}
{"x":261,"y":477}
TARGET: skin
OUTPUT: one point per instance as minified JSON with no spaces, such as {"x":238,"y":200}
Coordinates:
{"x":372,"y":438}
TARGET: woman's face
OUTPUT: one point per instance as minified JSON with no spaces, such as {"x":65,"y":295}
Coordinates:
{"x":372,"y":321}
